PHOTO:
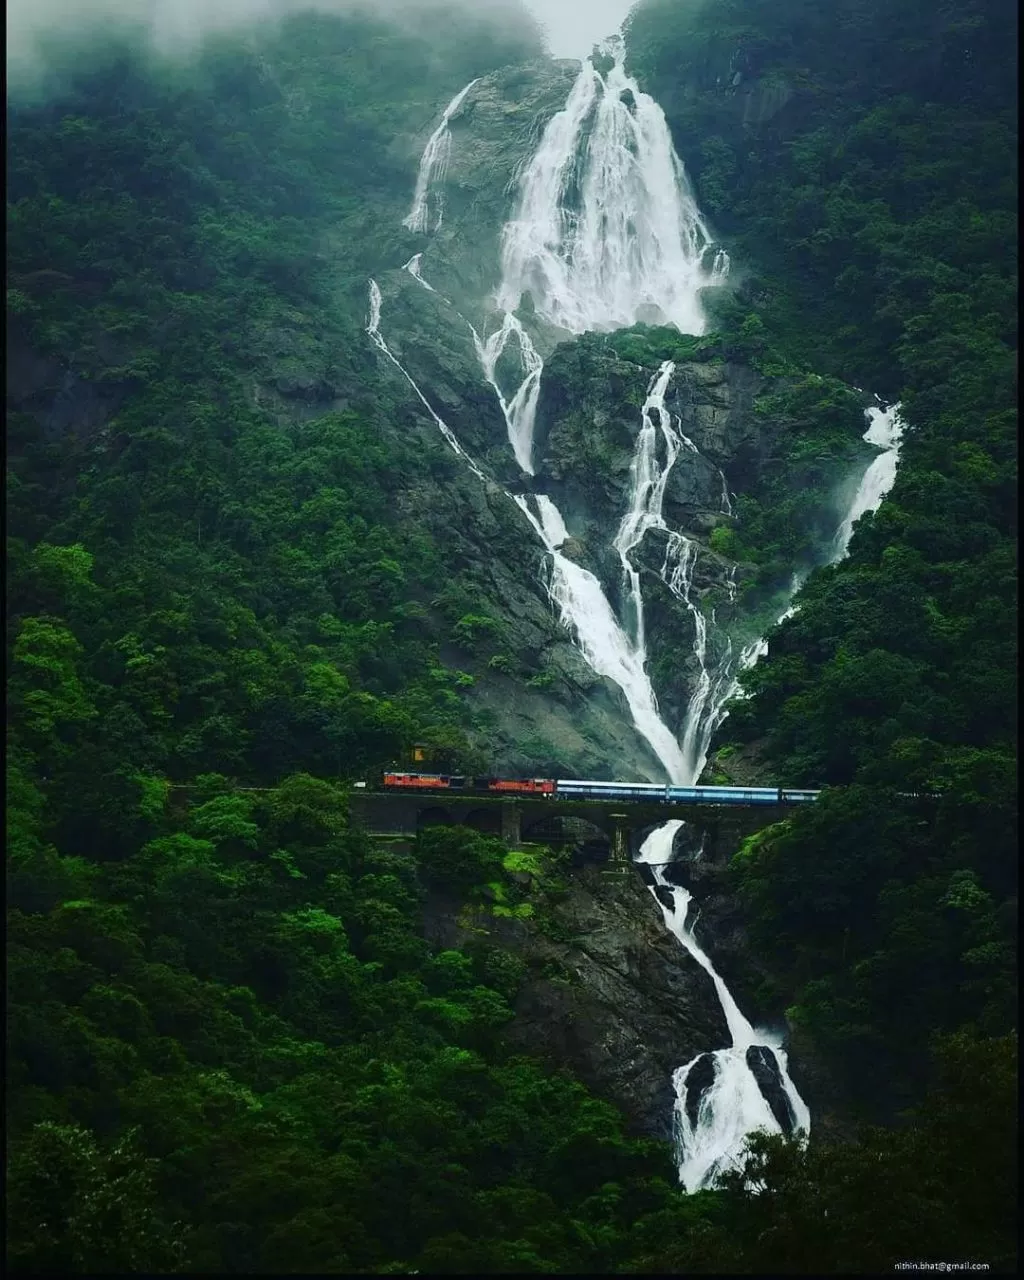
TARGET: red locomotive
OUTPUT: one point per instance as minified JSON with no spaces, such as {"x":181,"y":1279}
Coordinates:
{"x":457,"y":782}
{"x":423,"y":781}
{"x":522,"y":786}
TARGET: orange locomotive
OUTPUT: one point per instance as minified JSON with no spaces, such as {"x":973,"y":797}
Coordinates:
{"x":457,"y":782}
{"x":422,"y":781}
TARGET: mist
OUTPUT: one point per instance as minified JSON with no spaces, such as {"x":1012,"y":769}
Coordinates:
{"x":573,"y":27}
{"x":177,"y":27}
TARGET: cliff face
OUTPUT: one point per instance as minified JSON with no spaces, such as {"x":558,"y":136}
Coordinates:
{"x":612,"y":995}
{"x":587,"y":422}
{"x":493,"y":132}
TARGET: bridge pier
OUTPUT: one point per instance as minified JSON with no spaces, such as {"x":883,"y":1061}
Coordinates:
{"x":511,"y":831}
{"x":620,"y":860}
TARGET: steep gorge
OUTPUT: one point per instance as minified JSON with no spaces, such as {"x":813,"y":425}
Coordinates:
{"x":251,"y":560}
{"x":589,"y":267}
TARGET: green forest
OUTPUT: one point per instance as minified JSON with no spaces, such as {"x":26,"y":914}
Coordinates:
{"x":230,"y":1046}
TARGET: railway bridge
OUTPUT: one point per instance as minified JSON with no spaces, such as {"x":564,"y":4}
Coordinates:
{"x":621,"y":825}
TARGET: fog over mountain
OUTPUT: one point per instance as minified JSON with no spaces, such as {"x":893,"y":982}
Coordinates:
{"x":573,"y":27}
{"x":176,"y":26}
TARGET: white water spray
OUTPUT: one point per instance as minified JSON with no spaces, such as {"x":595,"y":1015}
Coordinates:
{"x":606,"y":231}
{"x":713,"y":1121}
{"x":432,"y":170}
{"x":413,"y":267}
{"x":648,"y":479}
{"x":586,"y":613}
{"x":520,"y":411}
{"x":885,"y":429}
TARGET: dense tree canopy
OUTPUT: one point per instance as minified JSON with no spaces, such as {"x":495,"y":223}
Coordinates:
{"x":861,"y":158}
{"x":231,"y":1048}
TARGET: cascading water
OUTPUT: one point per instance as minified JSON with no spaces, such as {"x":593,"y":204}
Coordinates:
{"x":414,"y":269}
{"x":607,"y":234}
{"x":583,"y":607}
{"x":520,"y":411}
{"x":373,"y":329}
{"x":648,"y":480}
{"x":885,"y":430}
{"x":586,"y":613}
{"x":433,"y":166}
{"x":721,"y":1097}
{"x":606,"y":231}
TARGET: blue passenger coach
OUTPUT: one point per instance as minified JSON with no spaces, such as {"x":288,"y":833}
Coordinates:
{"x":585,"y":788}
{"x":591,"y":789}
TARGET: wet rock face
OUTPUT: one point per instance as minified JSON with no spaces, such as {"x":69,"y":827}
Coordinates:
{"x":699,"y":1079}
{"x":765,"y":1069}
{"x":498,"y":125}
{"x":67,"y":408}
{"x":621,"y":1003}
{"x":665,"y":897}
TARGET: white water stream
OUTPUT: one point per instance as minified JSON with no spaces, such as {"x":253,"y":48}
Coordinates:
{"x":373,"y":329}
{"x":587,"y":615}
{"x":433,"y":167}
{"x":885,"y":430}
{"x":606,"y":233}
{"x":712,"y":1123}
{"x":414,"y":268}
{"x":521,"y":410}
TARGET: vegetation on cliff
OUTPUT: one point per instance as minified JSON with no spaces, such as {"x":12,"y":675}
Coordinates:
{"x":230,"y":1047}
{"x":860,"y":160}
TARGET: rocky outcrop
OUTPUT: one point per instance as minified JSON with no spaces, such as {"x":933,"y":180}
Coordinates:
{"x":617,"y":999}
{"x":495,"y":129}
{"x":764,"y":1067}
{"x":720,"y":928}
{"x":69,"y":409}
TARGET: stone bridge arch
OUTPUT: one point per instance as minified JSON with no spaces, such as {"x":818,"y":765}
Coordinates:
{"x":584,"y":839}
{"x":486,"y":820}
{"x":435,"y":816}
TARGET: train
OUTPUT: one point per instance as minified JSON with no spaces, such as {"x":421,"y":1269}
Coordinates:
{"x":581,"y":789}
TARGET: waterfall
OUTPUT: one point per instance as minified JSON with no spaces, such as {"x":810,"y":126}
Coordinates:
{"x":373,"y":329}
{"x":606,"y":231}
{"x":605,"y":234}
{"x":520,"y":411}
{"x":647,"y":483}
{"x":885,"y":429}
{"x":433,"y":167}
{"x":721,"y":1097}
{"x":414,"y":269}
{"x":585,"y":612}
